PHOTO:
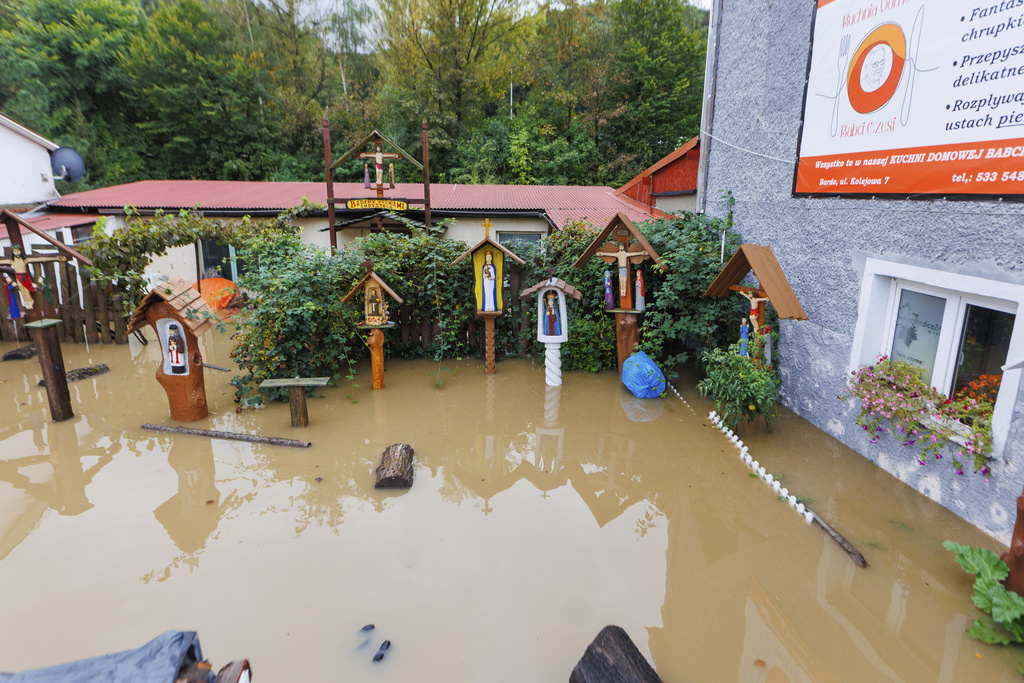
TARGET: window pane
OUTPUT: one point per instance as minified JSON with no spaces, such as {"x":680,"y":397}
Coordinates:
{"x":510,"y":237}
{"x":984,"y":343}
{"x":918,"y":324}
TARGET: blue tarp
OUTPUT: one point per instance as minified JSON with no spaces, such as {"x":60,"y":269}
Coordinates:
{"x":642,"y":377}
{"x":158,"y":661}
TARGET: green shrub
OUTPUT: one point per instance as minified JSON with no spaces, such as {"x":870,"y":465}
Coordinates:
{"x":742,"y":387}
{"x":1005,"y":624}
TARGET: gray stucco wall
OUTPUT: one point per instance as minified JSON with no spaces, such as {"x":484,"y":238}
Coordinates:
{"x":822,"y":245}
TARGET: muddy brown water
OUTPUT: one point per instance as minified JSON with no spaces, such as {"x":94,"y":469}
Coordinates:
{"x":537,"y":517}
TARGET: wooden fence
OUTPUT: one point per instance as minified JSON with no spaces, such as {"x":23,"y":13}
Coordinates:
{"x":88,"y":311}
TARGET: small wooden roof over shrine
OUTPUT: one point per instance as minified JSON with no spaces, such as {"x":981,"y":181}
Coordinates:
{"x":555,"y":283}
{"x":193,"y":311}
{"x":623,"y":229}
{"x":488,"y":241}
{"x":772,"y":282}
{"x":374,"y":136}
{"x":370,"y":275}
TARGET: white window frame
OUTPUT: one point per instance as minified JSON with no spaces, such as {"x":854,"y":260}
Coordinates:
{"x":882,"y":284}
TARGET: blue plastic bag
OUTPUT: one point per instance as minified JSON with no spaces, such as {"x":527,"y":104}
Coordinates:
{"x":642,"y":377}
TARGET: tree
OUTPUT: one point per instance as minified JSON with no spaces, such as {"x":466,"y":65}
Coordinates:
{"x":446,"y":59}
{"x":197,"y":98}
{"x":62,"y":77}
{"x":656,"y":83}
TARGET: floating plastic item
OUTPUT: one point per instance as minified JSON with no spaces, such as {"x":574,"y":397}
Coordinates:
{"x":642,"y":376}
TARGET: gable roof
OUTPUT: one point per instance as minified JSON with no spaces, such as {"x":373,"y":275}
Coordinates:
{"x":554,"y":283}
{"x":760,"y":259}
{"x":559,"y":203}
{"x":675,"y":173}
{"x":374,"y":134}
{"x":371,"y":276}
{"x":184,"y":299}
{"x":487,"y":241}
{"x":617,"y":221}
{"x":21,"y":130}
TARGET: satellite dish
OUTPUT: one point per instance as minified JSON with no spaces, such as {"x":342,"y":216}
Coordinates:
{"x":66,"y":164}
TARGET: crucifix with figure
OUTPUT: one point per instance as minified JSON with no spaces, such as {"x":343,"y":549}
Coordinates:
{"x":19,"y":285}
{"x":627,"y":246}
{"x":379,"y":155}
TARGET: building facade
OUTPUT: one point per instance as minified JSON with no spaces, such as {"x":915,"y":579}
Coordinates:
{"x":861,"y":264}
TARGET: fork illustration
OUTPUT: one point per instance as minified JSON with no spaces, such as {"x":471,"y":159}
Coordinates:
{"x":844,"y":53}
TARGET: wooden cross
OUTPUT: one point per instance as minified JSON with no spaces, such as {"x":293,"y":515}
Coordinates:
{"x":487,"y":227}
{"x":369,"y":265}
{"x":618,"y":252}
{"x":378,"y":156}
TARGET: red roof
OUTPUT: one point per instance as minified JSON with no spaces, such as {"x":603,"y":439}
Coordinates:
{"x":561,"y":203}
{"x":674,"y":173}
{"x":55,"y":221}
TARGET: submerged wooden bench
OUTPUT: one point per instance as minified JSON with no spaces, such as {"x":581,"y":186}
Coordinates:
{"x":296,"y":394}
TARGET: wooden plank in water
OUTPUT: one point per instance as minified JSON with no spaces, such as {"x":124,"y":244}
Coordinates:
{"x":231,"y":436}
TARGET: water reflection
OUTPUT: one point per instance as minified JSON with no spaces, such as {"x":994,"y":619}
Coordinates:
{"x":542,"y":513}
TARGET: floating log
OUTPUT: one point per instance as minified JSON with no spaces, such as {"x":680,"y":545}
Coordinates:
{"x":231,"y":436}
{"x":82,"y":373}
{"x":843,"y":543}
{"x":20,"y":354}
{"x":613,"y":658}
{"x":395,"y":471}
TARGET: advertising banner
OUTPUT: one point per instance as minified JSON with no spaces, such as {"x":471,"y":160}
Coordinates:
{"x":914,"y":97}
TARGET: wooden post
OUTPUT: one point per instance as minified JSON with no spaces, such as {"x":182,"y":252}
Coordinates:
{"x":44,"y":335}
{"x":297,"y":406}
{"x":330,"y":186}
{"x":376,"y":342}
{"x":488,"y":340}
{"x":627,"y":334}
{"x":426,"y":178}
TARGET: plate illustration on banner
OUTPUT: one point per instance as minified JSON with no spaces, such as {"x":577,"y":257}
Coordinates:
{"x":876,"y":68}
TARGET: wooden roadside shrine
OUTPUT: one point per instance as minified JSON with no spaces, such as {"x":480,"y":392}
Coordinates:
{"x":376,"y":318}
{"x":23,"y":295}
{"x":377,"y":141}
{"x":178,"y":315}
{"x":628,"y":247}
{"x":772,"y":284}
{"x":488,"y":277}
{"x":552,"y":323}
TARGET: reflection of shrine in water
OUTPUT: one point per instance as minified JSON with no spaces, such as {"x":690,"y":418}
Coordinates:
{"x":53,"y":473}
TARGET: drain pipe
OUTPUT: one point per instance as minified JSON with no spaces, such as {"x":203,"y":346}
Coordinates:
{"x":707,"y":113}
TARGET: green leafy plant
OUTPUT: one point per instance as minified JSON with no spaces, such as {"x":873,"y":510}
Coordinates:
{"x":894,"y":397}
{"x":1005,"y":608}
{"x":742,"y":387}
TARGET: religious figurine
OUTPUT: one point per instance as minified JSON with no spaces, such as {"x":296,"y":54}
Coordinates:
{"x":639,"y":303}
{"x":609,"y":300}
{"x":768,"y":345}
{"x":14,"y":311}
{"x":366,"y":176}
{"x":552,"y":324}
{"x":26,"y":285}
{"x":391,"y":176}
{"x":744,"y":333}
{"x":755,"y":308}
{"x":177,"y":352}
{"x":488,"y":278}
{"x":376,"y":307}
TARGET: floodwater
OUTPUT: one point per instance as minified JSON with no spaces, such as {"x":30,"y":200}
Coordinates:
{"x":536,"y":518}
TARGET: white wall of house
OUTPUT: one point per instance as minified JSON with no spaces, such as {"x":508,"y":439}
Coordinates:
{"x":25,"y":175}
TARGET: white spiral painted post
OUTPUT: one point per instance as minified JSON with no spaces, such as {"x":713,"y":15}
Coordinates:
{"x":553,"y":364}
{"x":552,"y":397}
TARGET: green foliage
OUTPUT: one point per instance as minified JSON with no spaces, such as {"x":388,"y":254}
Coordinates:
{"x":1006,"y":608}
{"x":743,"y":387}
{"x":296,"y":325}
{"x":123,"y":254}
{"x":680,"y":321}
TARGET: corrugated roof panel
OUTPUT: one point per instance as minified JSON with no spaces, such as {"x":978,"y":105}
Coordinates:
{"x":561,"y":203}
